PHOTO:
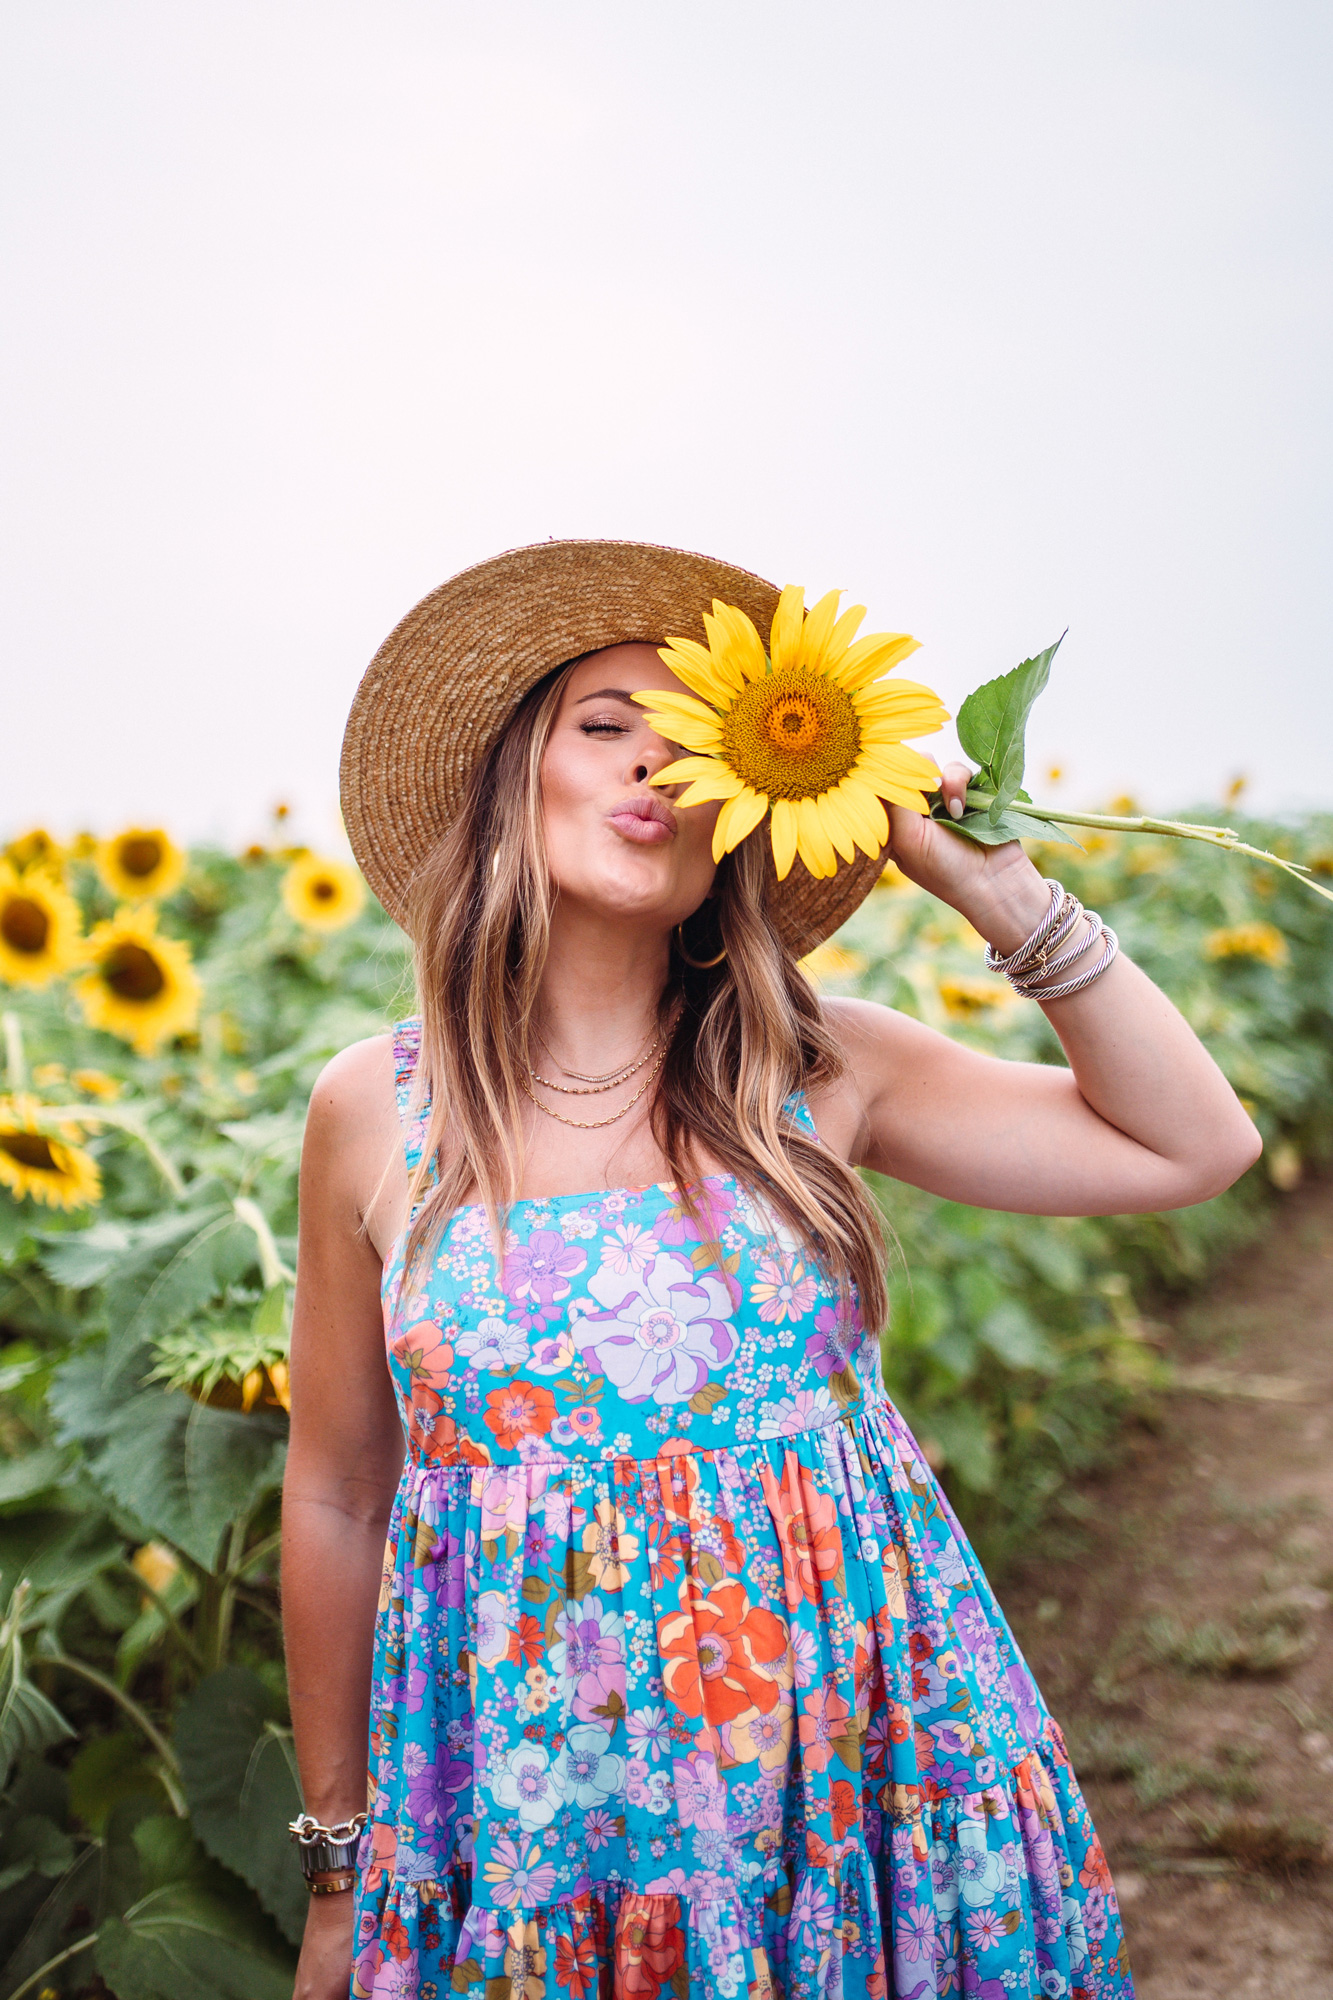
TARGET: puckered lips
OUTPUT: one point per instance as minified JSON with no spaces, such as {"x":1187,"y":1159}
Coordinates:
{"x":645,"y":819}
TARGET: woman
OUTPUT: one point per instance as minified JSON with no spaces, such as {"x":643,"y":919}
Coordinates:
{"x":680,"y":1674}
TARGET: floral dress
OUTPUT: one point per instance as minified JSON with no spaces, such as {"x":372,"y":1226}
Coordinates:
{"x":687,"y":1681}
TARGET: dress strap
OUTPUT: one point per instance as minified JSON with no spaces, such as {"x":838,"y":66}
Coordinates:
{"x":406,"y":1053}
{"x":799,"y":1112}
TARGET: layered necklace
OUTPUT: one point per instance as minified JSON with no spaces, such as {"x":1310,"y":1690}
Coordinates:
{"x":594,"y":1086}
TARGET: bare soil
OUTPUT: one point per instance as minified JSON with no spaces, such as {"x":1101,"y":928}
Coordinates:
{"x":1188,"y":1647}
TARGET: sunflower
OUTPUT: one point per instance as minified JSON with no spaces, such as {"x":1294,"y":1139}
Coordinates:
{"x":36,"y":849}
{"x":39,"y":927}
{"x":807,"y":730}
{"x":140,"y":986}
{"x":139,"y":863}
{"x":322,"y":895}
{"x":34,"y":1160}
{"x":1258,"y":940}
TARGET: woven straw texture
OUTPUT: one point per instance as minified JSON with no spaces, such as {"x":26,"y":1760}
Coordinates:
{"x":442,"y":686}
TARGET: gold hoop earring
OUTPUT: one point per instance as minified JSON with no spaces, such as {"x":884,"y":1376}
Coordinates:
{"x":699,"y":964}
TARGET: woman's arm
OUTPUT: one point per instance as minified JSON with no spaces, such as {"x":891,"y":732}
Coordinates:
{"x":1142,"y":1119}
{"x":342,"y":1468}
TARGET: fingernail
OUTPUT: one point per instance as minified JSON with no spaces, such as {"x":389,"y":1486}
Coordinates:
{"x":955,"y":808}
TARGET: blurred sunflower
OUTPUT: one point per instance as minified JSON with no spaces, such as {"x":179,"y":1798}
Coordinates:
{"x":142,"y":862}
{"x":140,"y":986}
{"x":48,"y":1166}
{"x":229,"y":1367}
{"x":1259,"y":940}
{"x":322,"y":895}
{"x":96,"y":1083}
{"x":39,"y":927}
{"x":965,"y":996}
{"x":808,"y":730}
{"x":36,"y":849}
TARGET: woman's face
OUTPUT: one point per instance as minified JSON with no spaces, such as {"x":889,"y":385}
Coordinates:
{"x":615,"y":844}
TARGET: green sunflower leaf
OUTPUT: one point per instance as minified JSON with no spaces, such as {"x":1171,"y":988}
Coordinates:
{"x":992,"y":727}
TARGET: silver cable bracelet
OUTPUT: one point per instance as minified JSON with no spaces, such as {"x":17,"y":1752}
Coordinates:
{"x":326,"y":1849}
{"x":1039,"y":958}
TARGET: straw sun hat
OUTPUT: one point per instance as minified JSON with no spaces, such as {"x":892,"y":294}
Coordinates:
{"x":445,"y":682}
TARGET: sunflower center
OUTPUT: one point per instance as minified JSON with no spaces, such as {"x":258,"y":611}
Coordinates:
{"x":322,"y":889}
{"x":24,"y":925}
{"x":30,"y":1149}
{"x":793,"y":735}
{"x":133,"y":973}
{"x":140,"y":857}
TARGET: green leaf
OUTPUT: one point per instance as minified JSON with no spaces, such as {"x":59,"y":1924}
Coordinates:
{"x":83,"y":1257}
{"x":107,"y":1770}
{"x":270,"y":1315}
{"x":217,"y":1250}
{"x":184,"y":1471}
{"x":36,"y":1472}
{"x":1011,"y":1333}
{"x":192,"y":1934}
{"x":992,"y":725}
{"x":241,"y":1787}
{"x":34,"y":1845}
{"x":964,"y":1436}
{"x":1011,"y":825}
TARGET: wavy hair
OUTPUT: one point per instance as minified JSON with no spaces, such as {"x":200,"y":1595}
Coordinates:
{"x":743,"y":1036}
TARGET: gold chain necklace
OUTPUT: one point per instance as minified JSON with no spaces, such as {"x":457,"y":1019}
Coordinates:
{"x":595,"y":1124}
{"x":596,"y":1085}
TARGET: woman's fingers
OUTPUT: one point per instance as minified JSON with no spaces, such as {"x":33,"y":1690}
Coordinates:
{"x":954,"y":781}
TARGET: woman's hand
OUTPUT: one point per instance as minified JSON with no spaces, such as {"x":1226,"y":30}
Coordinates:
{"x":996,"y":888}
{"x":325,"y":1968}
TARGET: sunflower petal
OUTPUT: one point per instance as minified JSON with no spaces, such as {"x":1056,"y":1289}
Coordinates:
{"x":896,"y":763}
{"x":738,"y":817}
{"x":840,"y":638}
{"x":816,"y":849}
{"x":837,"y":823}
{"x":704,"y":791}
{"x":871,"y":820}
{"x":785,"y":641}
{"x":699,"y":771}
{"x":784,"y":830}
{"x":876,"y":654}
{"x":819,"y":623}
{"x":745,"y":645}
{"x":669,"y":701}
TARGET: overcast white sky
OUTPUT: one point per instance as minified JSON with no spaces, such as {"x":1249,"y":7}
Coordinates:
{"x":1004,"y":316}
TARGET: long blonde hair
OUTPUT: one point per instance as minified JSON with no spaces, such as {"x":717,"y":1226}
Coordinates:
{"x":742,"y":1036}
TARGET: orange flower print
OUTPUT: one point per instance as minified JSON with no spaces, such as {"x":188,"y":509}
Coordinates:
{"x":1094,"y":1874}
{"x":426,"y":1352}
{"x":576,"y":1965}
{"x":827,"y":1731}
{"x":807,"y":1525}
{"x":650,"y":1945}
{"x":519,"y":1410}
{"x":722,"y":1655}
{"x":846,"y":1807}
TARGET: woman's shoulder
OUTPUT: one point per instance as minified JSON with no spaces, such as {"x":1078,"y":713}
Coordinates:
{"x":355,"y":1088}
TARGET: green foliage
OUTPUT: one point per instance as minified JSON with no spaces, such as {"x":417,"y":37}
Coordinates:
{"x":148,"y":1773}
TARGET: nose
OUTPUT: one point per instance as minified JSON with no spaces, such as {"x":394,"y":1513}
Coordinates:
{"x":648,"y":758}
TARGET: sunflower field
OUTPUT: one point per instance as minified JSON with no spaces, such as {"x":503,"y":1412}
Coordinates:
{"x":164,"y":1016}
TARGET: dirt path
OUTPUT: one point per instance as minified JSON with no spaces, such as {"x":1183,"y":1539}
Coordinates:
{"x":1188,"y":1650}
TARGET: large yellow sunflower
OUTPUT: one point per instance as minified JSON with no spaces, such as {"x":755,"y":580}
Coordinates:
{"x":323,"y":895}
{"x":39,"y":927}
{"x":139,"y":863}
{"x":52,"y":1168}
{"x":808,"y":729}
{"x":139,"y":986}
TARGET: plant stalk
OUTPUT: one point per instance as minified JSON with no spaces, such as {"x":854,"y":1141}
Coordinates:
{"x":1177,"y":829}
{"x":16,"y":1062}
{"x":271,"y":1266}
{"x":52,"y":1964}
{"x":125,"y":1701}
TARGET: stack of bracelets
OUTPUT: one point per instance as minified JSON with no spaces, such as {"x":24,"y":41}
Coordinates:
{"x":1040,"y":959}
{"x":328,"y":1853}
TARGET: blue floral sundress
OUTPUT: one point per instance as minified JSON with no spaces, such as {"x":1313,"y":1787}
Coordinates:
{"x":686,"y":1679}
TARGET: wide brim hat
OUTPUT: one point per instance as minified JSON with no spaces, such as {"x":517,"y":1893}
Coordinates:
{"x":441,"y":688}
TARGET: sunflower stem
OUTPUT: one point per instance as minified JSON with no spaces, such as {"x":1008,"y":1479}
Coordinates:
{"x":16,"y":1062}
{"x":272,"y":1269}
{"x":1224,"y":837}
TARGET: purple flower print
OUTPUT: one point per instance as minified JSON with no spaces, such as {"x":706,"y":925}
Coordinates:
{"x":443,"y":1573}
{"x":432,"y":1796}
{"x":701,"y":1798}
{"x":536,"y":1275}
{"x":837,"y":1335}
{"x":660,"y":1331}
{"x":1025,"y":1701}
{"x":716,"y":1205}
{"x":914,"y":1933}
{"x":589,"y":1657}
{"x":493,"y":1344}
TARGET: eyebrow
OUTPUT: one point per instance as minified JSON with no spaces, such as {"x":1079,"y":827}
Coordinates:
{"x":605,"y":694}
